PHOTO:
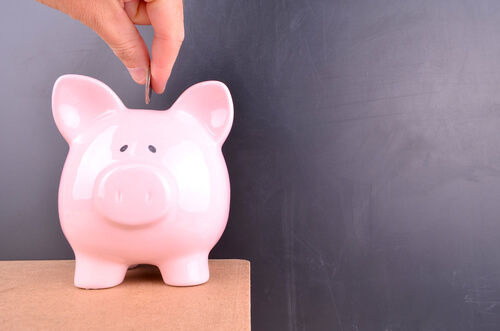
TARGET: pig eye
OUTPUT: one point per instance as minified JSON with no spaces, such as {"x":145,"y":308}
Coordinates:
{"x":152,"y":148}
{"x":124,"y":148}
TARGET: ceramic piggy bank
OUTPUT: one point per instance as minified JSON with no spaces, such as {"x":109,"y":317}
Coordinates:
{"x":142,"y":186}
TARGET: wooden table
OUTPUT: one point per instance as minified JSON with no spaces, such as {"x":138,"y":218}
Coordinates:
{"x":40,"y":295}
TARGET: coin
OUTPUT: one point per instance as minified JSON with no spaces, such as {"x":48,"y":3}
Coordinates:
{"x":148,"y":86}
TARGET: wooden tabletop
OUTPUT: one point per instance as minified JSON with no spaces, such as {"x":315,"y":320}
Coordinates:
{"x":40,"y":295}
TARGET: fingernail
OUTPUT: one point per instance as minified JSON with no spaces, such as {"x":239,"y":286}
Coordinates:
{"x":138,"y":75}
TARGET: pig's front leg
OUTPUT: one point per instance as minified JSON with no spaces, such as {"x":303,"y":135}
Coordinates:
{"x":95,"y":273}
{"x":185,"y":271}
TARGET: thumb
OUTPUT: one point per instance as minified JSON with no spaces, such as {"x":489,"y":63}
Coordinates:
{"x":120,"y":33}
{"x":111,"y":22}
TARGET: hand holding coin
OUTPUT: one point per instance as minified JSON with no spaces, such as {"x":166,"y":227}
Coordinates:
{"x":114,"y":21}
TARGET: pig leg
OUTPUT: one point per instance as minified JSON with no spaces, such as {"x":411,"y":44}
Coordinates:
{"x":185,"y":271}
{"x":94,"y":273}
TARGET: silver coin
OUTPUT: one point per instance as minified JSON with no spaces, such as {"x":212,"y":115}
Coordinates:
{"x":148,"y":86}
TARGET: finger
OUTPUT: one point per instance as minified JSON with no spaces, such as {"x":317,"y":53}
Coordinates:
{"x":167,"y":19}
{"x":136,"y":11}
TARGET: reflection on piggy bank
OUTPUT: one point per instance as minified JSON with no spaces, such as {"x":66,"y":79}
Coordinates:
{"x":142,"y":186}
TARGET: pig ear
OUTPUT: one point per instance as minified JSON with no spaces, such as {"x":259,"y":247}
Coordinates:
{"x":77,"y":101}
{"x":211,"y":104}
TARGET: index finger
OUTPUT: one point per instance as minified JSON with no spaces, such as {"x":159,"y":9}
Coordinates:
{"x":167,"y":19}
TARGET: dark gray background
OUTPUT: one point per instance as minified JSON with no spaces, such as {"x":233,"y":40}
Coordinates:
{"x":364,"y":157}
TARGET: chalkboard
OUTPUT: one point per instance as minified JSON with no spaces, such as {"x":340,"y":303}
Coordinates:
{"x":364,"y":157}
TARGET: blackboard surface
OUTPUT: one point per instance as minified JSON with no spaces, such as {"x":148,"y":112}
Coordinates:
{"x":364,"y":157}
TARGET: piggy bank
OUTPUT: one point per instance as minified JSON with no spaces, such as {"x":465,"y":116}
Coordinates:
{"x":142,"y":186}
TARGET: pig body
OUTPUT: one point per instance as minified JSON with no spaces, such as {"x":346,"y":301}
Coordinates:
{"x":142,"y":186}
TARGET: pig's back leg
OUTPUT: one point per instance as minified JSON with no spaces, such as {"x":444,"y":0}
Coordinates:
{"x":187,"y":270}
{"x":95,"y":273}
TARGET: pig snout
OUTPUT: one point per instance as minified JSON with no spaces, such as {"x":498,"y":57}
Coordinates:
{"x":132,"y":195}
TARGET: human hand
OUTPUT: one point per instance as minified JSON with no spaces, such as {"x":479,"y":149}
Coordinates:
{"x":114,"y":21}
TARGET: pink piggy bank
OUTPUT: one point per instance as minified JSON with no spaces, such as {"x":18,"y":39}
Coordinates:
{"x":142,"y":186}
